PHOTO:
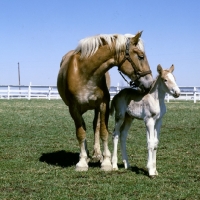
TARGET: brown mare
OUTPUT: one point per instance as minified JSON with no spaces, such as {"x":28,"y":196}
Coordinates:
{"x":82,"y":85}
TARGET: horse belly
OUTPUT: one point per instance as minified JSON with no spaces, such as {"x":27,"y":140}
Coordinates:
{"x":137,"y":109}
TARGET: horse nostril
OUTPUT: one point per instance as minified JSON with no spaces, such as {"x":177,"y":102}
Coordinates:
{"x":177,"y":94}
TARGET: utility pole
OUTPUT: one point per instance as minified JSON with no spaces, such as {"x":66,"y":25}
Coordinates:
{"x":19,"y":75}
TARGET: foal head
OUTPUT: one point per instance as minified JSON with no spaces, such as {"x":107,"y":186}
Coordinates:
{"x":134,"y":62}
{"x":168,"y":82}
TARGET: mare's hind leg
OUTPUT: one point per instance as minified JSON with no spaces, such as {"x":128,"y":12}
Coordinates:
{"x":97,"y":155}
{"x":123,"y":136}
{"x":104,"y":113}
{"x":82,"y":165}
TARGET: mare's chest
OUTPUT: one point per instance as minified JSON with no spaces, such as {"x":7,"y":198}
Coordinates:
{"x":91,"y":96}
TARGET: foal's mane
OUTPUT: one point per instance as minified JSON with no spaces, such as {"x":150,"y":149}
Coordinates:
{"x":154,"y":83}
{"x":88,"y":46}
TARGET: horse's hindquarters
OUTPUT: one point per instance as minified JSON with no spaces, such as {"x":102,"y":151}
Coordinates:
{"x":61,"y":85}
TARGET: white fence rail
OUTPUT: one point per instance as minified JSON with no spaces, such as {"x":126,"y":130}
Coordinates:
{"x":28,"y":92}
{"x":51,"y":92}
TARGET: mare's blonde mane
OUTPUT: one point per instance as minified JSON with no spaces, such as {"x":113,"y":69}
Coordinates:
{"x":88,"y":46}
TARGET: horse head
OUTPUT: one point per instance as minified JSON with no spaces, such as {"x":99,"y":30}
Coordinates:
{"x":134,"y":62}
{"x":168,"y":81}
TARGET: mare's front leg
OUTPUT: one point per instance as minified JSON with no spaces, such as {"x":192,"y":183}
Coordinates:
{"x":104,"y":114}
{"x":82,"y":165}
{"x":123,"y":136}
{"x":150,"y":123}
{"x":97,"y":155}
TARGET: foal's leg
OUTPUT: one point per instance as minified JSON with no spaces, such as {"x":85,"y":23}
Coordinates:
{"x":150,"y":122}
{"x":81,"y":136}
{"x":156,"y":141}
{"x":123,"y":136}
{"x":119,"y":119}
{"x":104,"y":113}
{"x":97,"y":155}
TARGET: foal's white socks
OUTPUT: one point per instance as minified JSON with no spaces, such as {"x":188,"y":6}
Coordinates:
{"x":151,"y":164}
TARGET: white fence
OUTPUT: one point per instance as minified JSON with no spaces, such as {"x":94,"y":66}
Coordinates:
{"x":28,"y":92}
{"x":187,"y":93}
{"x":51,"y":92}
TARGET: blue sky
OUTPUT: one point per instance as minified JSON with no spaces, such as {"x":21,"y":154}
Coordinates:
{"x":37,"y":33}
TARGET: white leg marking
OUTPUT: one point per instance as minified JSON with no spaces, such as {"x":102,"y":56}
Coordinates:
{"x":106,"y":164}
{"x":116,"y":134}
{"x":123,"y":136}
{"x":114,"y":157}
{"x":156,"y":141}
{"x":82,"y":165}
{"x":150,"y":145}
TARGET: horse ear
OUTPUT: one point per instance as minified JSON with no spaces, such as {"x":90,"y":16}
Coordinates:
{"x":171,"y":69}
{"x":159,"y":69}
{"x":136,"y":38}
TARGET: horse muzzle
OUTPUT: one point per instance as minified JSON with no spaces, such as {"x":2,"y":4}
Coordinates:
{"x":176,"y":93}
{"x":146,"y":81}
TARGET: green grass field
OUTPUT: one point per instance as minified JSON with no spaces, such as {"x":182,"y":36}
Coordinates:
{"x":39,"y":150}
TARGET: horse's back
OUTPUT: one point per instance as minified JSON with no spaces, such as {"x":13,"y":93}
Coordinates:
{"x":65,"y":58}
{"x":62,"y":76}
{"x":128,"y":94}
{"x":131,"y":101}
{"x":121,"y":100}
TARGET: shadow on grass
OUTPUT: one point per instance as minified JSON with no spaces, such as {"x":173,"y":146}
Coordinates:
{"x":63,"y":159}
{"x":67,"y":159}
{"x":136,"y":170}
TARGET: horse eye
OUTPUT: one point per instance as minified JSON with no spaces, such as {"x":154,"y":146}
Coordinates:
{"x":140,"y":57}
{"x":165,"y":80}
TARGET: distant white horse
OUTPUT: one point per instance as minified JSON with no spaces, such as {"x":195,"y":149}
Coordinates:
{"x":128,"y":104}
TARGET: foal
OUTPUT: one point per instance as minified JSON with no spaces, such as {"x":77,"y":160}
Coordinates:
{"x":128,"y":104}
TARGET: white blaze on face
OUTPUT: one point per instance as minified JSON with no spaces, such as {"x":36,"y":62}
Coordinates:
{"x":170,"y":77}
{"x":171,"y":84}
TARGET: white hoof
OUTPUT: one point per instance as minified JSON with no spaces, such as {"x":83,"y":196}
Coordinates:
{"x":106,"y":165}
{"x":114,"y":167}
{"x":106,"y":168}
{"x":82,"y":166}
{"x":126,"y":164}
{"x":152,"y":176}
{"x":81,"y":169}
{"x":153,"y":173}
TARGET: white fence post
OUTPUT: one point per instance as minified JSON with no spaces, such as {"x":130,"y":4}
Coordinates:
{"x":167,"y":97}
{"x":118,"y":88}
{"x":29,"y":92}
{"x":8,"y":92}
{"x":195,"y":96}
{"x":49,"y":94}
